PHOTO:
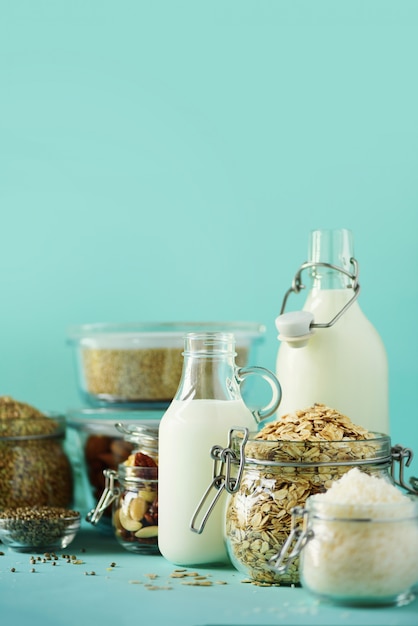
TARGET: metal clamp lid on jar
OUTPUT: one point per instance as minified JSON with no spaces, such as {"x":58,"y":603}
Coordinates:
{"x":131,"y":474}
{"x":110,"y":493}
{"x":298,"y":538}
{"x":222,"y":478}
{"x":297,"y":327}
{"x":225,"y":458}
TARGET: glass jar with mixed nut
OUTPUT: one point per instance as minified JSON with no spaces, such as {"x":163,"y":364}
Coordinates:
{"x":285,"y":462}
{"x":133,"y":492}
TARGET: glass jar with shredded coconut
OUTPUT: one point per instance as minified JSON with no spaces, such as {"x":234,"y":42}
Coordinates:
{"x":358,"y":542}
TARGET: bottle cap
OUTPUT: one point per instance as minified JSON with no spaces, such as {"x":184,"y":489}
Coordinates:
{"x":295,"y":327}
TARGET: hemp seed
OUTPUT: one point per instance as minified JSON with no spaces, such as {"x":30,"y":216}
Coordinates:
{"x":28,"y":527}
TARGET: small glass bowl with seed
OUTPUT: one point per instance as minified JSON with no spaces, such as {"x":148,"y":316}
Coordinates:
{"x":46,"y":528}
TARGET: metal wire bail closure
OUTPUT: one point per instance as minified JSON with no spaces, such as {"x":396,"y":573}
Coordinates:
{"x":403,"y":456}
{"x":110,"y":493}
{"x":222,"y":478}
{"x":297,"y":326}
{"x":294,"y":544}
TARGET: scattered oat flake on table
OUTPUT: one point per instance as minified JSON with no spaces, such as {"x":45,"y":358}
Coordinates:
{"x":197,"y":583}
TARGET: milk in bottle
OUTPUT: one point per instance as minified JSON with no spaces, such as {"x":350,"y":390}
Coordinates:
{"x":207,"y":405}
{"x":343,"y":365}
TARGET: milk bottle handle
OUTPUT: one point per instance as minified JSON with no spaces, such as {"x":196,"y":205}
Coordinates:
{"x":242,"y":373}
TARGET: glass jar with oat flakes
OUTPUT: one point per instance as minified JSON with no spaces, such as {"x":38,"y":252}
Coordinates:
{"x":283,"y":464}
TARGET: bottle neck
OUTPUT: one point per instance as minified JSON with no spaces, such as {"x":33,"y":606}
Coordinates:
{"x":208,"y":368}
{"x":333,"y":247}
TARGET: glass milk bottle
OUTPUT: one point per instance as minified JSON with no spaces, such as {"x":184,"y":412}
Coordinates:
{"x":207,"y":405}
{"x":330,"y":352}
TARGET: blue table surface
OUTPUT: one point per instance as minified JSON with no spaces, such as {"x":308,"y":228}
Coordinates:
{"x":140,"y":590}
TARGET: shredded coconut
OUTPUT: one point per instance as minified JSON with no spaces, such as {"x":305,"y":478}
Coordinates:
{"x":365,"y":541}
{"x":359,"y":488}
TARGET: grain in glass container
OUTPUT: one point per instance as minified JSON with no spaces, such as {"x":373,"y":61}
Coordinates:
{"x":38,"y":529}
{"x":139,"y":365}
{"x":34,"y":467}
{"x":280,"y":473}
{"x":132,"y":491}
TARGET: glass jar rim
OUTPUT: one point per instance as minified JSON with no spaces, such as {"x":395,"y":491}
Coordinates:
{"x":290,"y":453}
{"x":319,"y":507}
{"x":137,"y":474}
{"x":13,"y":427}
{"x":139,"y":434}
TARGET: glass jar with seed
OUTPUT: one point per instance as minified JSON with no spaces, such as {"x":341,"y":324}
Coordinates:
{"x":280,"y":467}
{"x":34,"y":467}
{"x":36,"y":529}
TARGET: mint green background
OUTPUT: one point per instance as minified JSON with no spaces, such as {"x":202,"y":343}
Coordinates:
{"x":167,"y":160}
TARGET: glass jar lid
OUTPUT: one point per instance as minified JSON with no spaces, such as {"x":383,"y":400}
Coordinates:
{"x":139,"y":434}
